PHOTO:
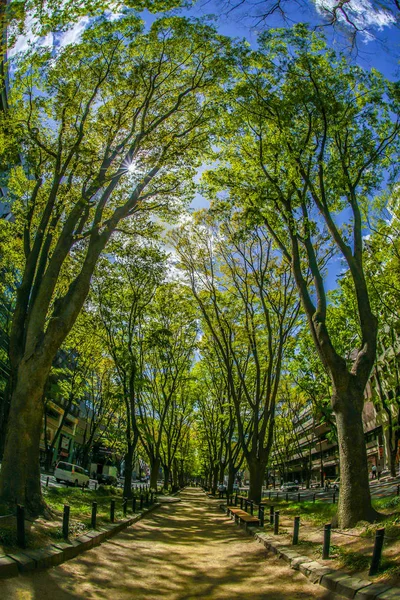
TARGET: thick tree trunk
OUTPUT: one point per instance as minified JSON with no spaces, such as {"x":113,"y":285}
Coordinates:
{"x":175,"y":475}
{"x":49,"y":459}
{"x":215,"y":481}
{"x":4,"y":413}
{"x":20,"y":474}
{"x":181,"y":475}
{"x":167,"y":474}
{"x":221,"y":471}
{"x":256,"y":470}
{"x":231,"y":477}
{"x":154,"y":468}
{"x":354,"y":498}
{"x":392,"y":459}
{"x":128,"y":471}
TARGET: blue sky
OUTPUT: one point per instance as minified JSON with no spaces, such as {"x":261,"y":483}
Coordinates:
{"x":381,"y":53}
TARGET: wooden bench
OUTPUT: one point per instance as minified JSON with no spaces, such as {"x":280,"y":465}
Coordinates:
{"x":242,"y":516}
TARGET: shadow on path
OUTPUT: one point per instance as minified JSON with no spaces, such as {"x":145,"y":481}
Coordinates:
{"x":182,"y":551}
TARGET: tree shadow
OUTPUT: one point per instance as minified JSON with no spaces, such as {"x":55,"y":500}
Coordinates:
{"x":182,"y":551}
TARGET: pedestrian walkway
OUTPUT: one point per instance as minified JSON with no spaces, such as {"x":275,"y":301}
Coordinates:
{"x":181,"y":551}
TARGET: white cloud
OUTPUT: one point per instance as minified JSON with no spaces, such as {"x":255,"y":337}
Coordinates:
{"x":73,"y":35}
{"x":362,"y":13}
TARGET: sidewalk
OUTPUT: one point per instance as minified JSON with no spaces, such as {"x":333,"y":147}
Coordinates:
{"x":179,"y":552}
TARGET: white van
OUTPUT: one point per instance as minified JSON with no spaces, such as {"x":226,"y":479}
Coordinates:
{"x":71,"y":474}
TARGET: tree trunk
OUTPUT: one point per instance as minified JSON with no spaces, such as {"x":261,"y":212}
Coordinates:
{"x":49,"y":458}
{"x":256,"y":470}
{"x":175,"y":483}
{"x":221,"y":471}
{"x":4,"y":414}
{"x":20,"y":474}
{"x":167,"y":474}
{"x":128,"y":471}
{"x":231,"y":477}
{"x":154,"y":469}
{"x":354,"y":498}
{"x":392,"y":459}
{"x":215,"y":482}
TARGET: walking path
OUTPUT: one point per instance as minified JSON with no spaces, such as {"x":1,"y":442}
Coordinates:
{"x":179,"y":552}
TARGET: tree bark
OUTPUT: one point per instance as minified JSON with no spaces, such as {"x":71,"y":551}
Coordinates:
{"x":354,"y":498}
{"x":20,"y":481}
{"x":128,"y":471}
{"x":256,"y":470}
{"x":167,"y":474}
{"x":215,"y":482}
{"x":232,"y":470}
{"x":154,"y":469}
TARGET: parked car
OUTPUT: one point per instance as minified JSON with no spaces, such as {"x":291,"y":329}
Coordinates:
{"x":71,"y":473}
{"x":290,"y":487}
{"x":107,"y":479}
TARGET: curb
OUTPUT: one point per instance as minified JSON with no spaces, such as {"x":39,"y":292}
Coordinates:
{"x":349,"y":586}
{"x":27,"y":560}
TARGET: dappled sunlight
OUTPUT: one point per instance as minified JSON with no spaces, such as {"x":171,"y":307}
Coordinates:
{"x":181,"y":551}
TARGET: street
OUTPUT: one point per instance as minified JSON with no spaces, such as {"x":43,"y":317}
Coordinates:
{"x":92,"y":482}
{"x":379,"y":489}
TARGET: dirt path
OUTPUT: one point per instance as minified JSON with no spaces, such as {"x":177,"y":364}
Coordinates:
{"x":181,"y":551}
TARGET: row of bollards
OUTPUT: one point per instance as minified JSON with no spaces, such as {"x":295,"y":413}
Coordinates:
{"x":144,"y":499}
{"x":378,"y":544}
{"x":274,"y":520}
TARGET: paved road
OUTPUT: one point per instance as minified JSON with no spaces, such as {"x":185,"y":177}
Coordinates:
{"x":92,"y":482}
{"x":379,"y":489}
{"x":182,"y":551}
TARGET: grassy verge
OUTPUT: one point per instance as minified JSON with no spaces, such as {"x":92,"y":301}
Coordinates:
{"x":41,"y":532}
{"x":350,"y":549}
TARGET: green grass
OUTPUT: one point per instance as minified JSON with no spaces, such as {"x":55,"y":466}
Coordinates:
{"x":80,"y":503}
{"x":317,"y":513}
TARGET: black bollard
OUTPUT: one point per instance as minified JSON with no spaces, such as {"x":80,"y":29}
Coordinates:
{"x":125,"y":505}
{"x":398,"y":490}
{"x":134,"y":504}
{"x":327,"y":541}
{"x":112,"y":511}
{"x":271,"y":515}
{"x":276,"y":522}
{"x":277,"y":495}
{"x":298,"y":497}
{"x":65,"y":525}
{"x":94,"y":515}
{"x":47,"y":481}
{"x":334,"y":498}
{"x":261,"y":516}
{"x":245,"y":504}
{"x":313,"y":498}
{"x":377,"y":553}
{"x":296,"y":527}
{"x":241,"y":502}
{"x":21,"y":526}
{"x":251,"y":507}
{"x":95,"y":485}
{"x":141,"y":501}
{"x":287,"y":497}
{"x":236,"y":499}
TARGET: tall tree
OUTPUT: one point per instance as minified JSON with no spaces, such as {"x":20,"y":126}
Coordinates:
{"x":246,"y":294}
{"x":123,"y":290}
{"x":110,"y":127}
{"x":170,"y":339}
{"x":315,"y":136}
